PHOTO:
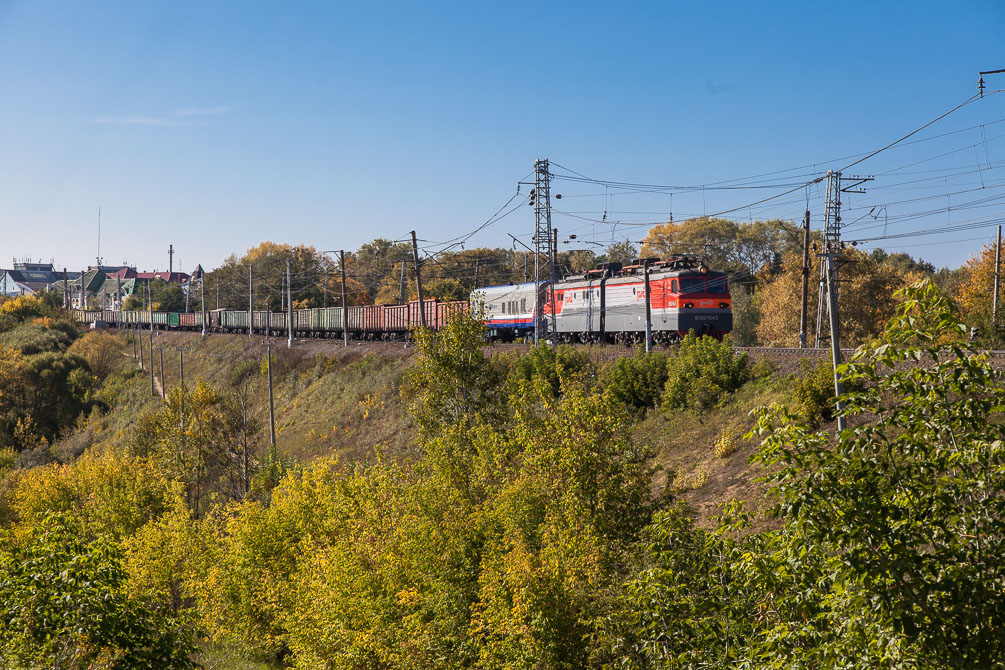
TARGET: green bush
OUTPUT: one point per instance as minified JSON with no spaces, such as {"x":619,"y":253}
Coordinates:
{"x":553,"y":367}
{"x":763,"y":368}
{"x":37,"y":338}
{"x":63,"y":604}
{"x":701,"y":371}
{"x":638,"y":382}
{"x":814,"y":393}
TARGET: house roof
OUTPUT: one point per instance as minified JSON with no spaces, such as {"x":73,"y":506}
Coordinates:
{"x":31,"y":280}
{"x":171,"y":277}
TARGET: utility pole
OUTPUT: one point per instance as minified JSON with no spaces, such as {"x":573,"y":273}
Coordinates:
{"x":272,"y":407}
{"x":118,"y":293}
{"x":202,"y":301}
{"x":82,"y":305}
{"x":478,"y":262}
{"x":150,"y":303}
{"x":289,"y":305}
{"x":160,"y":352}
{"x":181,"y":417}
{"x":541,"y":199}
{"x":402,"y":298}
{"x":806,"y":278}
{"x":649,"y":314}
{"x":418,"y":281}
{"x":134,"y":338}
{"x":218,"y":291}
{"x":153,"y":386}
{"x":345,"y":308}
{"x":66,"y":289}
{"x":251,"y":297}
{"x":994,"y":300}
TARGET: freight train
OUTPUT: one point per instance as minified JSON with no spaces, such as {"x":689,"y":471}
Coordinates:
{"x":608,"y":304}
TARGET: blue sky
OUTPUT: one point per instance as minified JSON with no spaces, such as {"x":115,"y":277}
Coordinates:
{"x":215,"y":125}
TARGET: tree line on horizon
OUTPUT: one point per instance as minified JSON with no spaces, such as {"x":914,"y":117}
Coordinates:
{"x":763,"y":259}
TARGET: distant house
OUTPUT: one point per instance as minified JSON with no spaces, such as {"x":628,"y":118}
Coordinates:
{"x":170,"y":277}
{"x":28,"y":278}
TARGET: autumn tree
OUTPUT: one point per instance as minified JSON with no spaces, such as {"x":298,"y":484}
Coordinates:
{"x":744,"y":249}
{"x":376,"y":260}
{"x":623,"y":252}
{"x":308,"y":270}
{"x":581,"y":260}
{"x":198,"y":439}
{"x":974,"y":293}
{"x":866,"y":299}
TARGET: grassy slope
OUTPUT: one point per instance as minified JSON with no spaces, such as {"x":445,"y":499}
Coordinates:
{"x":331,"y":400}
{"x":327,"y":399}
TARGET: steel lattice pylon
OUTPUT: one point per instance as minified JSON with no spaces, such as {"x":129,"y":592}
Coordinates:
{"x":542,"y":237}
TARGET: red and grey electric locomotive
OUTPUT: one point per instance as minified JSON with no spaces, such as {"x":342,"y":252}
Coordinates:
{"x":609,"y":304}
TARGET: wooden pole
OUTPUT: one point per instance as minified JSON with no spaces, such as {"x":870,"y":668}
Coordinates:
{"x":202,"y":301}
{"x":994,"y":299}
{"x":251,"y":297}
{"x":272,"y":407}
{"x":345,"y":307}
{"x":418,"y":281}
{"x":806,"y":279}
{"x":289,"y":305}
{"x":160,"y":351}
{"x":649,"y":316}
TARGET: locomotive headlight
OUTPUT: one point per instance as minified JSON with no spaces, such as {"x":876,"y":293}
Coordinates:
{"x":689,"y":305}
{"x":723,"y":305}
{"x":703,"y":270}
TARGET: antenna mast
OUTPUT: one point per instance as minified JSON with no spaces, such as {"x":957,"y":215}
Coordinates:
{"x":98,"y":258}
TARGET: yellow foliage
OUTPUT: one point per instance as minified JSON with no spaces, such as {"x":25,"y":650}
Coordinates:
{"x":109,"y":491}
{"x":974,"y":295}
{"x":866,"y":300}
{"x":689,"y":481}
{"x":22,"y":307}
{"x":101,"y":350}
{"x":725,"y":444}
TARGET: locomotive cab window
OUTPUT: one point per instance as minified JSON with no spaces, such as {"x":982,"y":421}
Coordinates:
{"x":717,"y":285}
{"x":692,"y":284}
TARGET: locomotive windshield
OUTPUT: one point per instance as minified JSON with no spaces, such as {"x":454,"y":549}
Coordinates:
{"x":699,"y":284}
{"x":717,"y":285}
{"x":692,"y":284}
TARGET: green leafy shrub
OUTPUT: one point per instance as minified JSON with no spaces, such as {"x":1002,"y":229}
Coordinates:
{"x":763,"y":368}
{"x":63,"y":604}
{"x":553,"y":367}
{"x":701,"y":371}
{"x":638,"y":382}
{"x":814,"y":393}
{"x":43,"y":336}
